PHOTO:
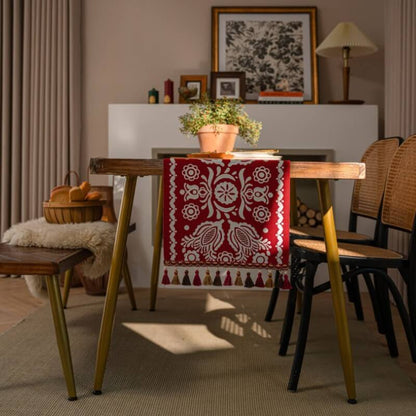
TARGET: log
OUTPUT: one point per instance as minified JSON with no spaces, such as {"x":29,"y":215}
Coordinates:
{"x":302,"y":220}
{"x":303,"y":208}
{"x":318,"y":216}
{"x":310,"y":213}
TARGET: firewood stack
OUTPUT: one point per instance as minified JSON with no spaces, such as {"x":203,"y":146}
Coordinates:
{"x":307,"y":217}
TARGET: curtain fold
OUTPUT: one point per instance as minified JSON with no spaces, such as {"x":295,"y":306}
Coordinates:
{"x":40,"y":102}
{"x":400,"y":86}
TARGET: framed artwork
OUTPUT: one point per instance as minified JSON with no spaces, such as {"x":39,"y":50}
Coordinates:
{"x":273,"y":46}
{"x":228,"y":85}
{"x":198,"y":83}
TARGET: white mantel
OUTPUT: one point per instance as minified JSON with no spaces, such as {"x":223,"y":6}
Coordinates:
{"x":136,"y":129}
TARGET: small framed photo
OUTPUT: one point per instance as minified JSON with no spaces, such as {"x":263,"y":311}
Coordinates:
{"x":274,"y":46}
{"x":228,"y":85}
{"x":198,"y":83}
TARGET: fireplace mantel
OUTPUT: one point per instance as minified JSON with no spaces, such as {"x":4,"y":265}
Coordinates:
{"x":136,"y":129}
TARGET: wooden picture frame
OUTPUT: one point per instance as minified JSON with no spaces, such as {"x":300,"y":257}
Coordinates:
{"x":285,"y":61}
{"x":228,"y":85}
{"x":197,"y":81}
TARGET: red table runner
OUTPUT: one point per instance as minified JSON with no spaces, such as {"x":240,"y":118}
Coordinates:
{"x":232,"y":213}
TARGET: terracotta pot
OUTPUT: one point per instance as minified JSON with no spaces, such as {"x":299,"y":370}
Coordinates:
{"x":217,"y":138}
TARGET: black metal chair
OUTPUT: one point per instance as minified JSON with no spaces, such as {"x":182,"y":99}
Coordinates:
{"x":372,"y":262}
{"x":365,"y":202}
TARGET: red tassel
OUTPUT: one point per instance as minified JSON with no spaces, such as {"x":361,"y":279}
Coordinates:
{"x":228,"y":281}
{"x":259,"y":281}
{"x":197,"y":279}
{"x":186,"y":281}
{"x":248,"y":282}
{"x":165,"y":278}
{"x":217,"y":279}
{"x":286,"y":282}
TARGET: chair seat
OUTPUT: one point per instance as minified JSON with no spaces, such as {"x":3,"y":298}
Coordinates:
{"x":350,"y":250}
{"x":318,"y":232}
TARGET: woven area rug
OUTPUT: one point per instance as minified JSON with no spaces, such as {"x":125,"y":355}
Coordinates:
{"x":201,"y":353}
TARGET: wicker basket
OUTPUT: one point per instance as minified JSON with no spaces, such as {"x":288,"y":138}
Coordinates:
{"x":73,"y":212}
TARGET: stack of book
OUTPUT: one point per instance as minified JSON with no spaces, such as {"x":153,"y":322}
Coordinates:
{"x":280,"y":97}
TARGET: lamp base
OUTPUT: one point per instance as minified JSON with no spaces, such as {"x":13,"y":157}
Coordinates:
{"x":347,"y":102}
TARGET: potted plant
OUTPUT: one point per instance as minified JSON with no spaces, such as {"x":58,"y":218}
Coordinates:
{"x":217,"y":123}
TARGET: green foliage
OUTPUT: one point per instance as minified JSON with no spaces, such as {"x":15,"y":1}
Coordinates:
{"x":221,"y":111}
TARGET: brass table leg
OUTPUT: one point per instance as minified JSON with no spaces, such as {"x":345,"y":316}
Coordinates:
{"x":338,"y":299}
{"x":107,"y":320}
{"x":125,"y":274}
{"x":67,"y":286}
{"x":157,"y":245}
{"x":62,"y":339}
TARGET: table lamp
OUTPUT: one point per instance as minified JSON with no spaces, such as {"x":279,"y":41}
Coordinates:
{"x":348,"y":41}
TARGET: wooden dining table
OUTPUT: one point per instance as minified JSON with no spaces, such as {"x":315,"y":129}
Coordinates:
{"x":131,"y":169}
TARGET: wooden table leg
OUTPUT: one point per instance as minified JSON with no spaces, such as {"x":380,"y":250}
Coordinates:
{"x":338,"y":299}
{"x":157,"y":246}
{"x":67,"y":286}
{"x":107,"y":319}
{"x":61,"y":332}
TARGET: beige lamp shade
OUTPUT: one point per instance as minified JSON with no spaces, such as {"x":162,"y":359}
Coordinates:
{"x":346,"y":34}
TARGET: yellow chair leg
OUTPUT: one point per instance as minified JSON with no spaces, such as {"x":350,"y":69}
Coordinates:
{"x":62,"y":339}
{"x":67,"y":286}
{"x":157,"y":246}
{"x":110,"y":303}
{"x":125,"y":274}
{"x":338,"y":299}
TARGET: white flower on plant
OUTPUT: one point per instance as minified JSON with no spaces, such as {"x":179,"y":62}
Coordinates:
{"x":261,"y":214}
{"x":262,"y":174}
{"x":190,"y":172}
{"x":190,"y":212}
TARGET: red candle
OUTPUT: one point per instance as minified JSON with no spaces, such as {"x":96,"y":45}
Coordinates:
{"x":168,"y":99}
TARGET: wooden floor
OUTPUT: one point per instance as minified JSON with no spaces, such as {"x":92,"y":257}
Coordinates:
{"x":16,"y":303}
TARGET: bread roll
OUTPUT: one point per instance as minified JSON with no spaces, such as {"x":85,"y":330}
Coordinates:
{"x":93,"y":196}
{"x":75,"y":194}
{"x":85,"y":188}
{"x":60,"y":194}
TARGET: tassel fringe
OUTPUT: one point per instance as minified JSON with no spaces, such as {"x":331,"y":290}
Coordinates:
{"x":283,"y":279}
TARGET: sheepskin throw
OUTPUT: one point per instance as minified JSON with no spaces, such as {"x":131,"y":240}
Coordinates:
{"x":98,"y":237}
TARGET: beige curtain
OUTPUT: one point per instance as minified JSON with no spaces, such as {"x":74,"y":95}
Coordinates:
{"x":40,"y":102}
{"x":400,"y":83}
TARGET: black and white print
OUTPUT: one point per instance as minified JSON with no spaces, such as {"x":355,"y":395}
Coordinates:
{"x":269,"y":52}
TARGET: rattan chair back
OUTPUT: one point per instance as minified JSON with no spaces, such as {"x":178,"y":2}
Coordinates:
{"x":368,"y":193}
{"x":399,"y":205}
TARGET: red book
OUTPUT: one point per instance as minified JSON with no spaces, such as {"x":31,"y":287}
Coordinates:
{"x":281,"y":94}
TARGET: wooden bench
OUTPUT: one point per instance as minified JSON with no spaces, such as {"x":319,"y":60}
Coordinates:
{"x":51,"y":263}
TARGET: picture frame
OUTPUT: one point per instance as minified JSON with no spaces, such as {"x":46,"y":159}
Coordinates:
{"x":193,"y":81}
{"x":228,"y":85}
{"x":285,"y":59}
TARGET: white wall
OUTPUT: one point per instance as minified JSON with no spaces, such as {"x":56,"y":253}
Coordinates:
{"x":130,"y":46}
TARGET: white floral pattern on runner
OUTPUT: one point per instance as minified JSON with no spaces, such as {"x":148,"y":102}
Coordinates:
{"x":226,"y":212}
